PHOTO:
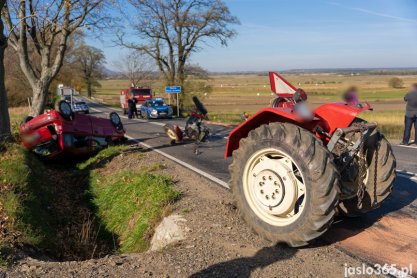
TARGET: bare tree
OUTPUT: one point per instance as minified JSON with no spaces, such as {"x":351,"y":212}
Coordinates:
{"x":4,"y":112}
{"x":171,"y":30}
{"x":42,"y":28}
{"x":90,"y":60}
{"x":136,"y":67}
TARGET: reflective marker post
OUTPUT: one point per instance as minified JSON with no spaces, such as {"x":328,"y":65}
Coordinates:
{"x":175,"y":90}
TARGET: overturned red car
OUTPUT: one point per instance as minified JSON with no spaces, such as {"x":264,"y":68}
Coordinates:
{"x":63,"y":132}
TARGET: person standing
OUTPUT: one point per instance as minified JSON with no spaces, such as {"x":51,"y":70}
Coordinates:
{"x":351,"y":96}
{"x":131,"y":107}
{"x":135,"y":108}
{"x":410,"y":115}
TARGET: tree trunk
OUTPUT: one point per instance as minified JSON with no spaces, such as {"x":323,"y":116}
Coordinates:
{"x":40,"y":96}
{"x":5,"y":131}
{"x":89,"y":89}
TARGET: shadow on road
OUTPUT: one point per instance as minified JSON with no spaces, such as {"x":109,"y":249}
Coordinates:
{"x":402,"y":202}
{"x":243,"y":267}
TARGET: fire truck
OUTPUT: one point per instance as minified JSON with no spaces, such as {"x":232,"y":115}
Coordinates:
{"x":141,"y":94}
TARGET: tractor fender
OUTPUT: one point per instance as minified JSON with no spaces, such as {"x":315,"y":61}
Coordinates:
{"x":264,"y":116}
{"x":338,"y":115}
{"x":328,"y":116}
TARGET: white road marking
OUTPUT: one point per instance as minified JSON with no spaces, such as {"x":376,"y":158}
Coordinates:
{"x":410,"y":147}
{"x":413,"y":177}
{"x":192,"y":168}
{"x":96,"y":110}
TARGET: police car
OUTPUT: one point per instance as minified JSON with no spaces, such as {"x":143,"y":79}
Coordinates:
{"x":80,"y":106}
{"x":155,"y":108}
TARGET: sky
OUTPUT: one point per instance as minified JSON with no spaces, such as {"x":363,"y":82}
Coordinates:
{"x":310,"y":34}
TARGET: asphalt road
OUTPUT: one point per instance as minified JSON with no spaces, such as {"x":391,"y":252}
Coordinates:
{"x":385,"y":236}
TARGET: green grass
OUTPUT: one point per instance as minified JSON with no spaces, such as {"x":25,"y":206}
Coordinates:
{"x":25,"y":195}
{"x":130,"y":203}
{"x":69,"y":211}
{"x":230,"y":118}
{"x":103,"y":156}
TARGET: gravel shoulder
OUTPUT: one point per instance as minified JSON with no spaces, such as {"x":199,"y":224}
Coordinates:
{"x":218,"y":244}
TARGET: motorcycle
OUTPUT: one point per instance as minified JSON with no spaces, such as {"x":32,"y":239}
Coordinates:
{"x":194,"y":126}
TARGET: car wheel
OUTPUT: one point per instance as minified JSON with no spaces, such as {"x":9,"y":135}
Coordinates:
{"x":26,"y":120}
{"x":116,"y":121}
{"x":87,"y":112}
{"x":64,"y":108}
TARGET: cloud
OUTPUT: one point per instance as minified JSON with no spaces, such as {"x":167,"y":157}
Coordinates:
{"x":366,"y":11}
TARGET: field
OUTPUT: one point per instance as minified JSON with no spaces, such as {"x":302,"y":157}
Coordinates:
{"x":234,"y":94}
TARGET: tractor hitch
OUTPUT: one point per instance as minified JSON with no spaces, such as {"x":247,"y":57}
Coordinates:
{"x":339,"y":136}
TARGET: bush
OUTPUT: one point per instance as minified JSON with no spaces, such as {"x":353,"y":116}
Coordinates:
{"x":396,"y":83}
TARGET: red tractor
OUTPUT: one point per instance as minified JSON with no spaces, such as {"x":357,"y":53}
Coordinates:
{"x":140,"y":94}
{"x":292,"y":174}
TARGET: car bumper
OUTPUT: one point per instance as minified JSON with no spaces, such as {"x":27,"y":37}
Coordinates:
{"x":81,"y":110}
{"x":160,"y":116}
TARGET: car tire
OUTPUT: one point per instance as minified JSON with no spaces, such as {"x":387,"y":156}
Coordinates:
{"x":87,"y":112}
{"x":27,"y":119}
{"x":298,"y":200}
{"x":116,"y":120}
{"x":64,"y":109}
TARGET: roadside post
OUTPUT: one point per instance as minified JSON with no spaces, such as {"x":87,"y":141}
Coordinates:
{"x":175,"y":90}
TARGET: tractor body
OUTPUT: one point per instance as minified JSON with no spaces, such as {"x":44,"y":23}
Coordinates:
{"x":326,"y":119}
{"x":294,"y":170}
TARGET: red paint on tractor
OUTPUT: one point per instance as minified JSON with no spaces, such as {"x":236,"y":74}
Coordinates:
{"x":328,"y":117}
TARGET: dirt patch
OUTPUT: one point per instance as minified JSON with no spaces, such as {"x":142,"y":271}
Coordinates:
{"x":219,"y":243}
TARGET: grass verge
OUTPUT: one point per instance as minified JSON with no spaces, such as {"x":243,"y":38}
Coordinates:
{"x":76,"y":213}
{"x":24,"y":198}
{"x":131,"y":203}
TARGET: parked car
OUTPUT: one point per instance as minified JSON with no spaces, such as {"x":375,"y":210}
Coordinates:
{"x":80,"y":106}
{"x":155,"y":109}
{"x":63,"y":132}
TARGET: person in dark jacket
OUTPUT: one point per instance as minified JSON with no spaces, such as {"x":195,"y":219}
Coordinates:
{"x":131,"y":107}
{"x":410,"y":115}
{"x":135,"y":109}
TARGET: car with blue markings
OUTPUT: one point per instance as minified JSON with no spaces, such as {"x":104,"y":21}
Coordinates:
{"x":80,"y":106}
{"x":156,"y":108}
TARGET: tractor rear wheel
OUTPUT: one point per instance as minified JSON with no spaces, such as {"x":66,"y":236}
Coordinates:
{"x":285,"y":183}
{"x":379,"y":179}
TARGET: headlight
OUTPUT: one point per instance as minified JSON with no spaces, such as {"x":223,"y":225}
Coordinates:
{"x":154,"y":111}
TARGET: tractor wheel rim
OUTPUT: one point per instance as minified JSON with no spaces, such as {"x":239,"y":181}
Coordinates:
{"x":274,"y":187}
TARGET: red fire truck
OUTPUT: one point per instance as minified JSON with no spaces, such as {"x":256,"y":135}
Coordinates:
{"x":141,"y":94}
